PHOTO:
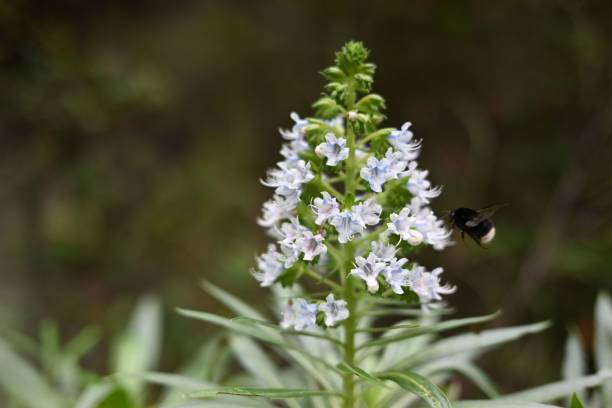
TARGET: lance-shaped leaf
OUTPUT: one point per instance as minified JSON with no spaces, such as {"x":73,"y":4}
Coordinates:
{"x":552,"y":391}
{"x":603,"y":341}
{"x":433,"y":328}
{"x":500,"y":404}
{"x":575,"y":402}
{"x":362,"y":374}
{"x":574,"y":359}
{"x":271,"y":393}
{"x":465,"y":368}
{"x":419,"y":386}
{"x":470,"y":343}
{"x":21,"y":381}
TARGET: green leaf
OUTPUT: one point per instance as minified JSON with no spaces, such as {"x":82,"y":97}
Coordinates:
{"x":138,"y":348}
{"x":465,"y":368}
{"x":434,"y":328}
{"x":470,"y":343}
{"x":419,"y":386}
{"x":499,"y":404}
{"x":603,"y":341}
{"x":575,"y":402}
{"x":174,"y":381}
{"x":268,"y":336}
{"x":22,"y":382}
{"x":552,"y":391}
{"x":93,"y":395}
{"x":272,"y":393}
{"x":83,"y":342}
{"x":574,"y":360}
{"x":286,"y":331}
{"x":236,"y":305}
{"x":367,"y":377}
{"x":254,"y":360}
{"x":118,"y":398}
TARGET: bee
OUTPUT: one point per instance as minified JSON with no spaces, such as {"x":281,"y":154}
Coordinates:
{"x":475,"y":223}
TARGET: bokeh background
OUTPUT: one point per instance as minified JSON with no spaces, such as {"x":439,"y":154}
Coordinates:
{"x":133,"y":136}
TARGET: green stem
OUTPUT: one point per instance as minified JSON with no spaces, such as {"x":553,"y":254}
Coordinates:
{"x":330,"y":189}
{"x":321,"y":279}
{"x":350,"y":325}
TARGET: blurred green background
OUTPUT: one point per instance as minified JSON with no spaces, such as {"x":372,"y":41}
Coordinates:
{"x":133,"y":136}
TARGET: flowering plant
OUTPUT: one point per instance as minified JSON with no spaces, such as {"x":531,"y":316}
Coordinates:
{"x":350,"y":212}
{"x":350,"y":204}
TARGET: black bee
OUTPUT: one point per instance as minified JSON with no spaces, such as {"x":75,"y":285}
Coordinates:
{"x":475,"y":223}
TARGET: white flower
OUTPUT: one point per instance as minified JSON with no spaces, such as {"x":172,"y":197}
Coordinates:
{"x":289,"y":177}
{"x":367,"y":212}
{"x":299,"y":314}
{"x":335,"y":310}
{"x":377,"y":172}
{"x":395,"y":275}
{"x":270,"y":265}
{"x":395,"y":163}
{"x":427,"y":284}
{"x":334,"y":149}
{"x":277,"y":209}
{"x":384,"y":252}
{"x":347,"y":225}
{"x":433,"y":229}
{"x":325,"y":208}
{"x":290,"y":232}
{"x":296,"y":139}
{"x":420,"y":187}
{"x":402,"y":141}
{"x":404,"y":225}
{"x":297,"y":131}
{"x":368,"y":269}
{"x":311,"y":245}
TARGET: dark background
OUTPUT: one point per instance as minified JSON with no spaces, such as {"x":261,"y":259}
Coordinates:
{"x":133,"y":136}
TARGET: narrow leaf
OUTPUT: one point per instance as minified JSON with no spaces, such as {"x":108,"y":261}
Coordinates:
{"x":434,"y":328}
{"x":93,"y":395}
{"x":138,"y":348}
{"x":574,"y":360}
{"x":272,"y":393}
{"x":499,"y":404}
{"x":575,"y":402}
{"x":419,"y":386}
{"x":552,"y":391}
{"x":470,"y":343}
{"x":367,"y":377}
{"x":603,"y":341}
{"x":21,"y":381}
{"x":235,"y":304}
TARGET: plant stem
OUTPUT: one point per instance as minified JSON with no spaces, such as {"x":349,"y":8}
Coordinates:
{"x":350,"y":327}
{"x":350,"y":324}
{"x":321,"y":279}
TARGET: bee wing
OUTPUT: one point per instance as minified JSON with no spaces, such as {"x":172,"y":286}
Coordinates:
{"x":484,"y":214}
